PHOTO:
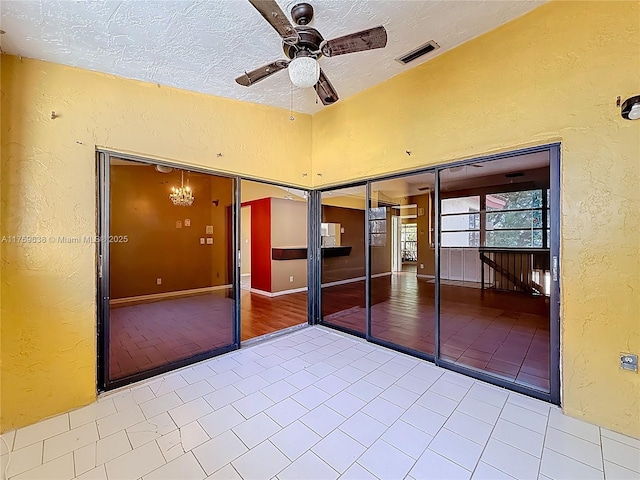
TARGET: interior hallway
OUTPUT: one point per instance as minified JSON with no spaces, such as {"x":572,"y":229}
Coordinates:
{"x":316,"y":404}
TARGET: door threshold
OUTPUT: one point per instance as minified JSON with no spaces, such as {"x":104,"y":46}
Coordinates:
{"x":272,"y":335}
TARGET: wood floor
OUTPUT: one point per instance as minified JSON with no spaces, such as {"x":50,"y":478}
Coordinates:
{"x":503,"y":333}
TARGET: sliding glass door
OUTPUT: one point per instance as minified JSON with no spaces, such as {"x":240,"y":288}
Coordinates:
{"x":167,"y":261}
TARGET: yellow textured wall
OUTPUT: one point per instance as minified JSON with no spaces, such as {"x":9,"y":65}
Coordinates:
{"x":551,"y":75}
{"x":48,"y":189}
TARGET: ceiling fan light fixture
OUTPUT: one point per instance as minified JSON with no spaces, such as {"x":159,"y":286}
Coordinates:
{"x":304,"y":72}
{"x":631,"y":108}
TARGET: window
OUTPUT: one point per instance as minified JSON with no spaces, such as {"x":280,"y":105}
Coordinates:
{"x":460,"y":222}
{"x":514,"y":219}
{"x":378,"y":226}
{"x":409,"y":242}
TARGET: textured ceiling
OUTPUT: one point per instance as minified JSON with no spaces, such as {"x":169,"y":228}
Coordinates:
{"x":203,"y":46}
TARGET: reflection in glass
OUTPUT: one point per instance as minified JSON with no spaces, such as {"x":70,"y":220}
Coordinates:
{"x":171,"y":292}
{"x":402,"y":283}
{"x":494,"y":269}
{"x":343,"y":258}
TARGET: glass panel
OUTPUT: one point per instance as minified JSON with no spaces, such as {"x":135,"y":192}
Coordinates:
{"x":273,"y":252}
{"x":494,"y":306}
{"x":402,"y":285}
{"x":171,"y":266}
{"x":461,"y":222}
{"x":343,"y":256}
{"x":460,"y":205}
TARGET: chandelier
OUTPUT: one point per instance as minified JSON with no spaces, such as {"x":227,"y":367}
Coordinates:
{"x":182,"y":196}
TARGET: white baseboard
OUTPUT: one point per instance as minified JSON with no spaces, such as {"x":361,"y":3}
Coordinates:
{"x":353,"y":280}
{"x":429,"y":277}
{"x":245,"y":275}
{"x":161,"y":296}
{"x":277,"y":294}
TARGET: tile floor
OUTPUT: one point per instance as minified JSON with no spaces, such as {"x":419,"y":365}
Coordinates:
{"x":316,"y":404}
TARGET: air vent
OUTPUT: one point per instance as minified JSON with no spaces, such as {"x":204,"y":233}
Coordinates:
{"x":416,"y":53}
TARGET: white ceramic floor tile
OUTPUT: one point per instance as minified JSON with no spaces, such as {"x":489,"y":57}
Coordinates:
{"x":279,"y":391}
{"x":223,"y":364}
{"x":458,"y":379}
{"x":424,"y":419}
{"x":190,"y":411}
{"x":510,"y":460}
{"x":197,"y":373}
{"x":350,"y":374}
{"x":520,"y":437}
{"x":345,"y":404}
{"x":456,"y":448}
{"x":573,"y":426}
{"x":219,"y":451}
{"x":185,"y":467}
{"x":308,"y":467}
{"x":332,"y":385}
{"x":171,"y":446}
{"x":249,"y":369}
{"x":469,"y":427}
{"x":529,"y":403}
{"x":130,"y":399}
{"x":111,"y":447}
{"x":192,"y":435}
{"x":22,"y":460}
{"x":395,"y":368}
{"x":426,"y":371}
{"x":311,"y":397}
{"x":448,"y":389}
{"x":484,"y":471}
{"x":223,"y":397}
{"x":295,"y":365}
{"x":357,"y":472}
{"x":431,"y":466}
{"x":385,"y":461}
{"x":613,"y":471}
{"x":166,"y":384}
{"x":66,"y":442}
{"x":321,"y":370}
{"x":618,"y":437}
{"x":301,"y":379}
{"x":98,"y":473}
{"x":251,"y":384}
{"x":525,"y":418}
{"x":225,"y":473}
{"x":120,"y":421}
{"x":407,"y":438}
{"x":84,"y":459}
{"x":437,"y":403}
{"x":364,"y":390}
{"x":285,"y":412}
{"x":363,"y":428}
{"x":59,"y":469}
{"x":6,"y":441}
{"x":381,"y":379}
{"x":574,"y":447}
{"x":221,"y":420}
{"x":489,"y":394}
{"x":262,"y":462}
{"x":151,"y":429}
{"x":295,"y":439}
{"x":383,"y":410}
{"x":92,"y":412}
{"x":558,"y":467}
{"x":136,"y":463}
{"x":621,"y":454}
{"x":252,"y":404}
{"x":339,"y":450}
{"x":223,"y":379}
{"x":158,"y":405}
{"x":255,"y":430}
{"x":415,"y":384}
{"x":480,"y":410}
{"x":195,"y":390}
{"x":41,"y":431}
{"x":322,"y":420}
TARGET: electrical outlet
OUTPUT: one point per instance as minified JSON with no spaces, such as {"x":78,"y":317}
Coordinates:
{"x":187,"y":222}
{"x":291,"y":278}
{"x":201,"y":240}
{"x":158,"y":281}
{"x":629,"y":361}
{"x":422,"y":266}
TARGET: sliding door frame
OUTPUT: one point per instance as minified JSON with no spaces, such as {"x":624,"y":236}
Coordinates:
{"x":554,"y":149}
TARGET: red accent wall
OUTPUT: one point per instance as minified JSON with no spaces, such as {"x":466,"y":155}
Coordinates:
{"x":260,"y":243}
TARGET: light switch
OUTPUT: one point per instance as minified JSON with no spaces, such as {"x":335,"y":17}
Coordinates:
{"x":187,"y":222}
{"x":209,"y":241}
{"x":209,"y":230}
{"x":178,"y":224}
{"x":202,"y":241}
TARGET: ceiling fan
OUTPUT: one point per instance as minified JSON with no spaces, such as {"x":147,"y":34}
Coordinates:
{"x":304,"y":45}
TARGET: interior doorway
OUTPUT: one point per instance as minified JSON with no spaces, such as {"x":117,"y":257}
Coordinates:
{"x":273,"y":252}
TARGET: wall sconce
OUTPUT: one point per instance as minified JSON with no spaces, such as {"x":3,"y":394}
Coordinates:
{"x":631,"y":108}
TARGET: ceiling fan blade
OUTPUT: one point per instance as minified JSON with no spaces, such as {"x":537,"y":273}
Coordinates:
{"x":325,"y":90}
{"x":356,"y":42}
{"x":254,"y":76}
{"x":273,"y":14}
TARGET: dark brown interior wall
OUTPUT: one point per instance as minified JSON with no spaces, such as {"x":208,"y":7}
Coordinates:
{"x":353,"y":266}
{"x":156,"y":248}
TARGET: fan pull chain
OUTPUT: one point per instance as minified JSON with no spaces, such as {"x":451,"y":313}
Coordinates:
{"x":291,"y":102}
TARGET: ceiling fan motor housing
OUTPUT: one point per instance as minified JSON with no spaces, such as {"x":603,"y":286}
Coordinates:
{"x":310,"y":40}
{"x":302,"y":13}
